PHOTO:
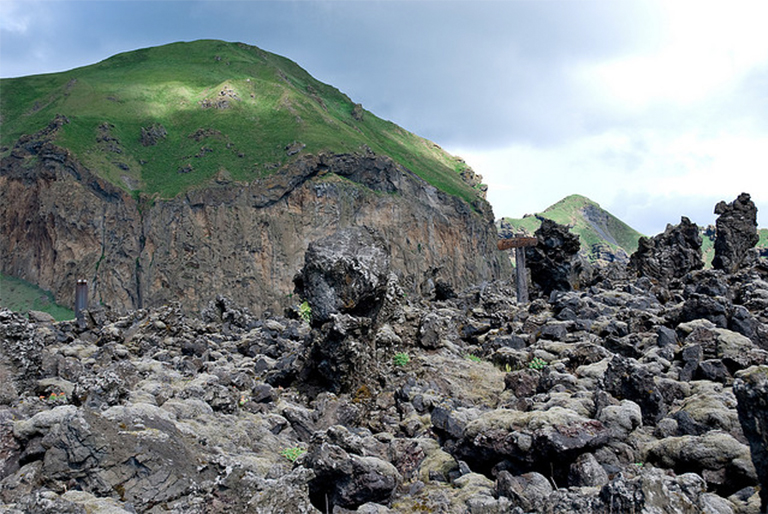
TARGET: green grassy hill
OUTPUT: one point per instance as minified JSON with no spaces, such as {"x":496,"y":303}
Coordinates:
{"x":165,"y":119}
{"x":600,"y":232}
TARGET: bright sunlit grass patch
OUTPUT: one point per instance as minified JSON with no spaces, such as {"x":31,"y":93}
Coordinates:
{"x":223,"y":106}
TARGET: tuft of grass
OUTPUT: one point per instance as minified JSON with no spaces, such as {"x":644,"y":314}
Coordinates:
{"x":271,"y":104}
{"x":401,"y":359}
{"x":473,"y":358}
{"x":293,"y":453}
{"x":305,"y":311}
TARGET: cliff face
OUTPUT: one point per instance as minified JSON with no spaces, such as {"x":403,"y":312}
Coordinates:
{"x":59,"y":223}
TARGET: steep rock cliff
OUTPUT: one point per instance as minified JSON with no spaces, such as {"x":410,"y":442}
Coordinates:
{"x":59,"y":222}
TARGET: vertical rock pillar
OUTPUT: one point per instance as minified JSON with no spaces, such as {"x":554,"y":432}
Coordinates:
{"x":521,"y":278}
{"x":736,"y":232}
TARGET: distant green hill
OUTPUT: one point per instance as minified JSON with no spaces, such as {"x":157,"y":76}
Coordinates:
{"x":603,"y":236}
{"x":165,"y":119}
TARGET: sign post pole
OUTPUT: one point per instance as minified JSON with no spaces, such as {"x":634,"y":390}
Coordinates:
{"x":81,"y":298}
{"x":519,"y":243}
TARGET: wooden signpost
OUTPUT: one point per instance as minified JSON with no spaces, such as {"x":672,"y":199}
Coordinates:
{"x":519,"y":243}
{"x":81,"y":298}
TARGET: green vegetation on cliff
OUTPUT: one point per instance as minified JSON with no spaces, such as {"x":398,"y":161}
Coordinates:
{"x":165,"y":119}
{"x":21,"y":296}
{"x":600,"y":233}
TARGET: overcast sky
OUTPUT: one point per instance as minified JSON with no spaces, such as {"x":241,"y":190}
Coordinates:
{"x":654,"y":109}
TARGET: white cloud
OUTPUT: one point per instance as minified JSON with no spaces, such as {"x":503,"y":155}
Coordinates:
{"x":14,"y":16}
{"x":670,"y":128}
{"x":636,"y":176}
{"x":709,"y":46}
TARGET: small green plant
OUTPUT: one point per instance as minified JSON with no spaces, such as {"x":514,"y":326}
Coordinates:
{"x":473,"y":358}
{"x":401,"y":359}
{"x":538,"y":364}
{"x":305,"y":311}
{"x":507,"y":368}
{"x":55,"y":398}
{"x":293,"y":453}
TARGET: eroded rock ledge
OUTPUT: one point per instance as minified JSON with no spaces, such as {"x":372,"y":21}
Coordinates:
{"x":59,"y":223}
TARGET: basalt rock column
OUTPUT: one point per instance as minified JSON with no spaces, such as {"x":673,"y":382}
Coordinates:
{"x":554,"y":262}
{"x":669,"y":255}
{"x":736,"y":232}
{"x":344,"y":280}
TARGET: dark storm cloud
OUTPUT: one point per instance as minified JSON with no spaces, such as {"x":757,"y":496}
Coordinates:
{"x":477,"y":72}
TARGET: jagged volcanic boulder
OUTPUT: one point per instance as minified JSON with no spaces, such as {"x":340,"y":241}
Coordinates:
{"x":349,"y":470}
{"x":20,"y":355}
{"x":669,"y":255}
{"x":554,"y":261}
{"x":346,"y":272}
{"x":655,"y":491}
{"x":736,"y":232}
{"x":91,"y":450}
{"x":344,"y":280}
{"x":721,"y":459}
{"x":544,"y":441}
{"x":751,"y":389}
{"x":626,"y":379}
{"x":341,"y":354}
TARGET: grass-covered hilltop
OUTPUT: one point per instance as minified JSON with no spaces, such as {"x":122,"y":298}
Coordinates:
{"x":166,"y":119}
{"x":601,"y":234}
{"x":184,"y":171}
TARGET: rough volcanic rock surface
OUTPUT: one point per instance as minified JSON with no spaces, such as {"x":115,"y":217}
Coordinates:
{"x":346,"y":272}
{"x":736,"y":232}
{"x":554,"y":261}
{"x":751,"y":389}
{"x":624,"y":396}
{"x":60,"y":223}
{"x":670,"y":254}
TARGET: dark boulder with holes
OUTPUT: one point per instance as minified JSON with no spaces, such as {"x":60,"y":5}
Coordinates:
{"x":627,"y":379}
{"x":345,"y":272}
{"x":668,"y":255}
{"x":341,"y":354}
{"x":554,"y":261}
{"x":751,"y":389}
{"x":349,"y":471}
{"x":736,"y":232}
